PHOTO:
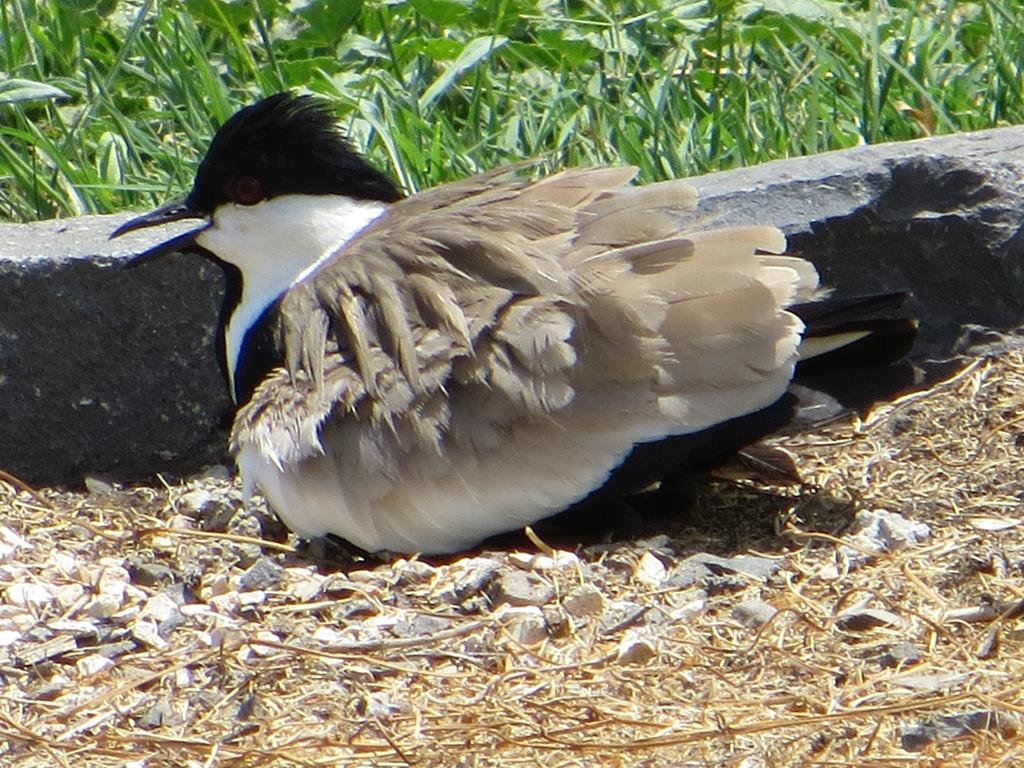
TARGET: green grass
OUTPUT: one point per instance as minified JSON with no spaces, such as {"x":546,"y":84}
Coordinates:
{"x":106,"y":106}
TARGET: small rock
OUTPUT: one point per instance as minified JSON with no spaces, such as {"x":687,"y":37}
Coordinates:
{"x":221,"y":637}
{"x":102,"y":607}
{"x":152,"y":574}
{"x":305,"y":589}
{"x":160,"y":715}
{"x":354,"y":608}
{"x":989,"y":646}
{"x":658,"y":542}
{"x":620,"y":614}
{"x":145,"y":631}
{"x":724,"y":584}
{"x":326,"y":635}
{"x":28,"y":655}
{"x":519,"y":588}
{"x":925,"y":683}
{"x":96,"y":486}
{"x":636,"y":648}
{"x":263,"y":574}
{"x":420,"y":625}
{"x":93,"y":664}
{"x":556,"y":618}
{"x":225,"y":603}
{"x":161,"y":608}
{"x":414,"y":571}
{"x":467,"y":578}
{"x":244,"y":524}
{"x":753,"y":613}
{"x":113,"y":581}
{"x":215,"y":472}
{"x":747,"y":565}
{"x":585,"y":600}
{"x":10,"y":542}
{"x":217,"y":514}
{"x":39,"y":633}
{"x":879,"y":531}
{"x":691,"y":609}
{"x":30,"y":595}
{"x":863,"y":619}
{"x":380,"y":705}
{"x":78,"y":629}
{"x":365,"y":576}
{"x":650,"y":571}
{"x":266,"y":636}
{"x":214,"y":584}
{"x":49,"y":690}
{"x":706,"y":568}
{"x":917,"y":738}
{"x":194,"y":502}
{"x":525,"y":624}
{"x":68,"y":595}
{"x":62,"y":565}
{"x":900,"y":655}
{"x":542,"y":562}
{"x":251,"y":598}
{"x":689,"y":572}
{"x":9,"y":637}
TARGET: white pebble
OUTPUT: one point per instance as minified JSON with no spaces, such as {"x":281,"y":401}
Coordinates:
{"x":214,"y":585}
{"x":69,"y":594}
{"x":160,"y":608}
{"x":252,"y":597}
{"x":63,"y":564}
{"x":93,"y":664}
{"x":102,"y":607}
{"x":10,"y":542}
{"x":266,"y":636}
{"x":636,"y":648}
{"x":194,"y":502}
{"x":9,"y":637}
{"x":27,"y":594}
{"x":145,"y":631}
{"x":112,"y":581}
{"x":326,"y":636}
{"x":533,"y":562}
{"x":650,"y":571}
{"x":226,"y":603}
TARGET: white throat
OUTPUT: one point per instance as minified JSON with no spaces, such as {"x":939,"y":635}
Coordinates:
{"x":275,"y":245}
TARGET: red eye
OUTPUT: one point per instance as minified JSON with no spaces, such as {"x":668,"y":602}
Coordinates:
{"x":246,"y":190}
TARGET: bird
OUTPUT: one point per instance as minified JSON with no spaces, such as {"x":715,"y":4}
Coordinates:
{"x":419,"y":373}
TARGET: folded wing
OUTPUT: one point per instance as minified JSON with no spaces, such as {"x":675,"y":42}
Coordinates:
{"x":486,"y":353}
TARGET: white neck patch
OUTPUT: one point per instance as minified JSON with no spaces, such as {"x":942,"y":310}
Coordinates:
{"x":277,"y":243}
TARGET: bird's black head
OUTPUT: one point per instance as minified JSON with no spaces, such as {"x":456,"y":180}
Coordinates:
{"x":284,"y":144}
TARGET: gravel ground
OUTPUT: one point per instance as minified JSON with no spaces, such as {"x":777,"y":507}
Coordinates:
{"x":868,"y":614}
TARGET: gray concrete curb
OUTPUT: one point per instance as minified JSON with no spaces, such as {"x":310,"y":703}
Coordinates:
{"x":112,"y":372}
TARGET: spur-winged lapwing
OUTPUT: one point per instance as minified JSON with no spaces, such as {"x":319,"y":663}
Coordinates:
{"x":419,"y":373}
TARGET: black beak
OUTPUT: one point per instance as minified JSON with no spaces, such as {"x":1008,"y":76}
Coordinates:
{"x":175,"y":211}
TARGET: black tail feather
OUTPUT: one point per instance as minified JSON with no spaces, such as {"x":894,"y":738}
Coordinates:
{"x":868,"y":369}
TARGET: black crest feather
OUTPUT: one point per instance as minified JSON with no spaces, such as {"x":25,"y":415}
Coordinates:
{"x":292,"y":145}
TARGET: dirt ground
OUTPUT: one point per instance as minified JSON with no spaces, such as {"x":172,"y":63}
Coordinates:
{"x":869,"y":615}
